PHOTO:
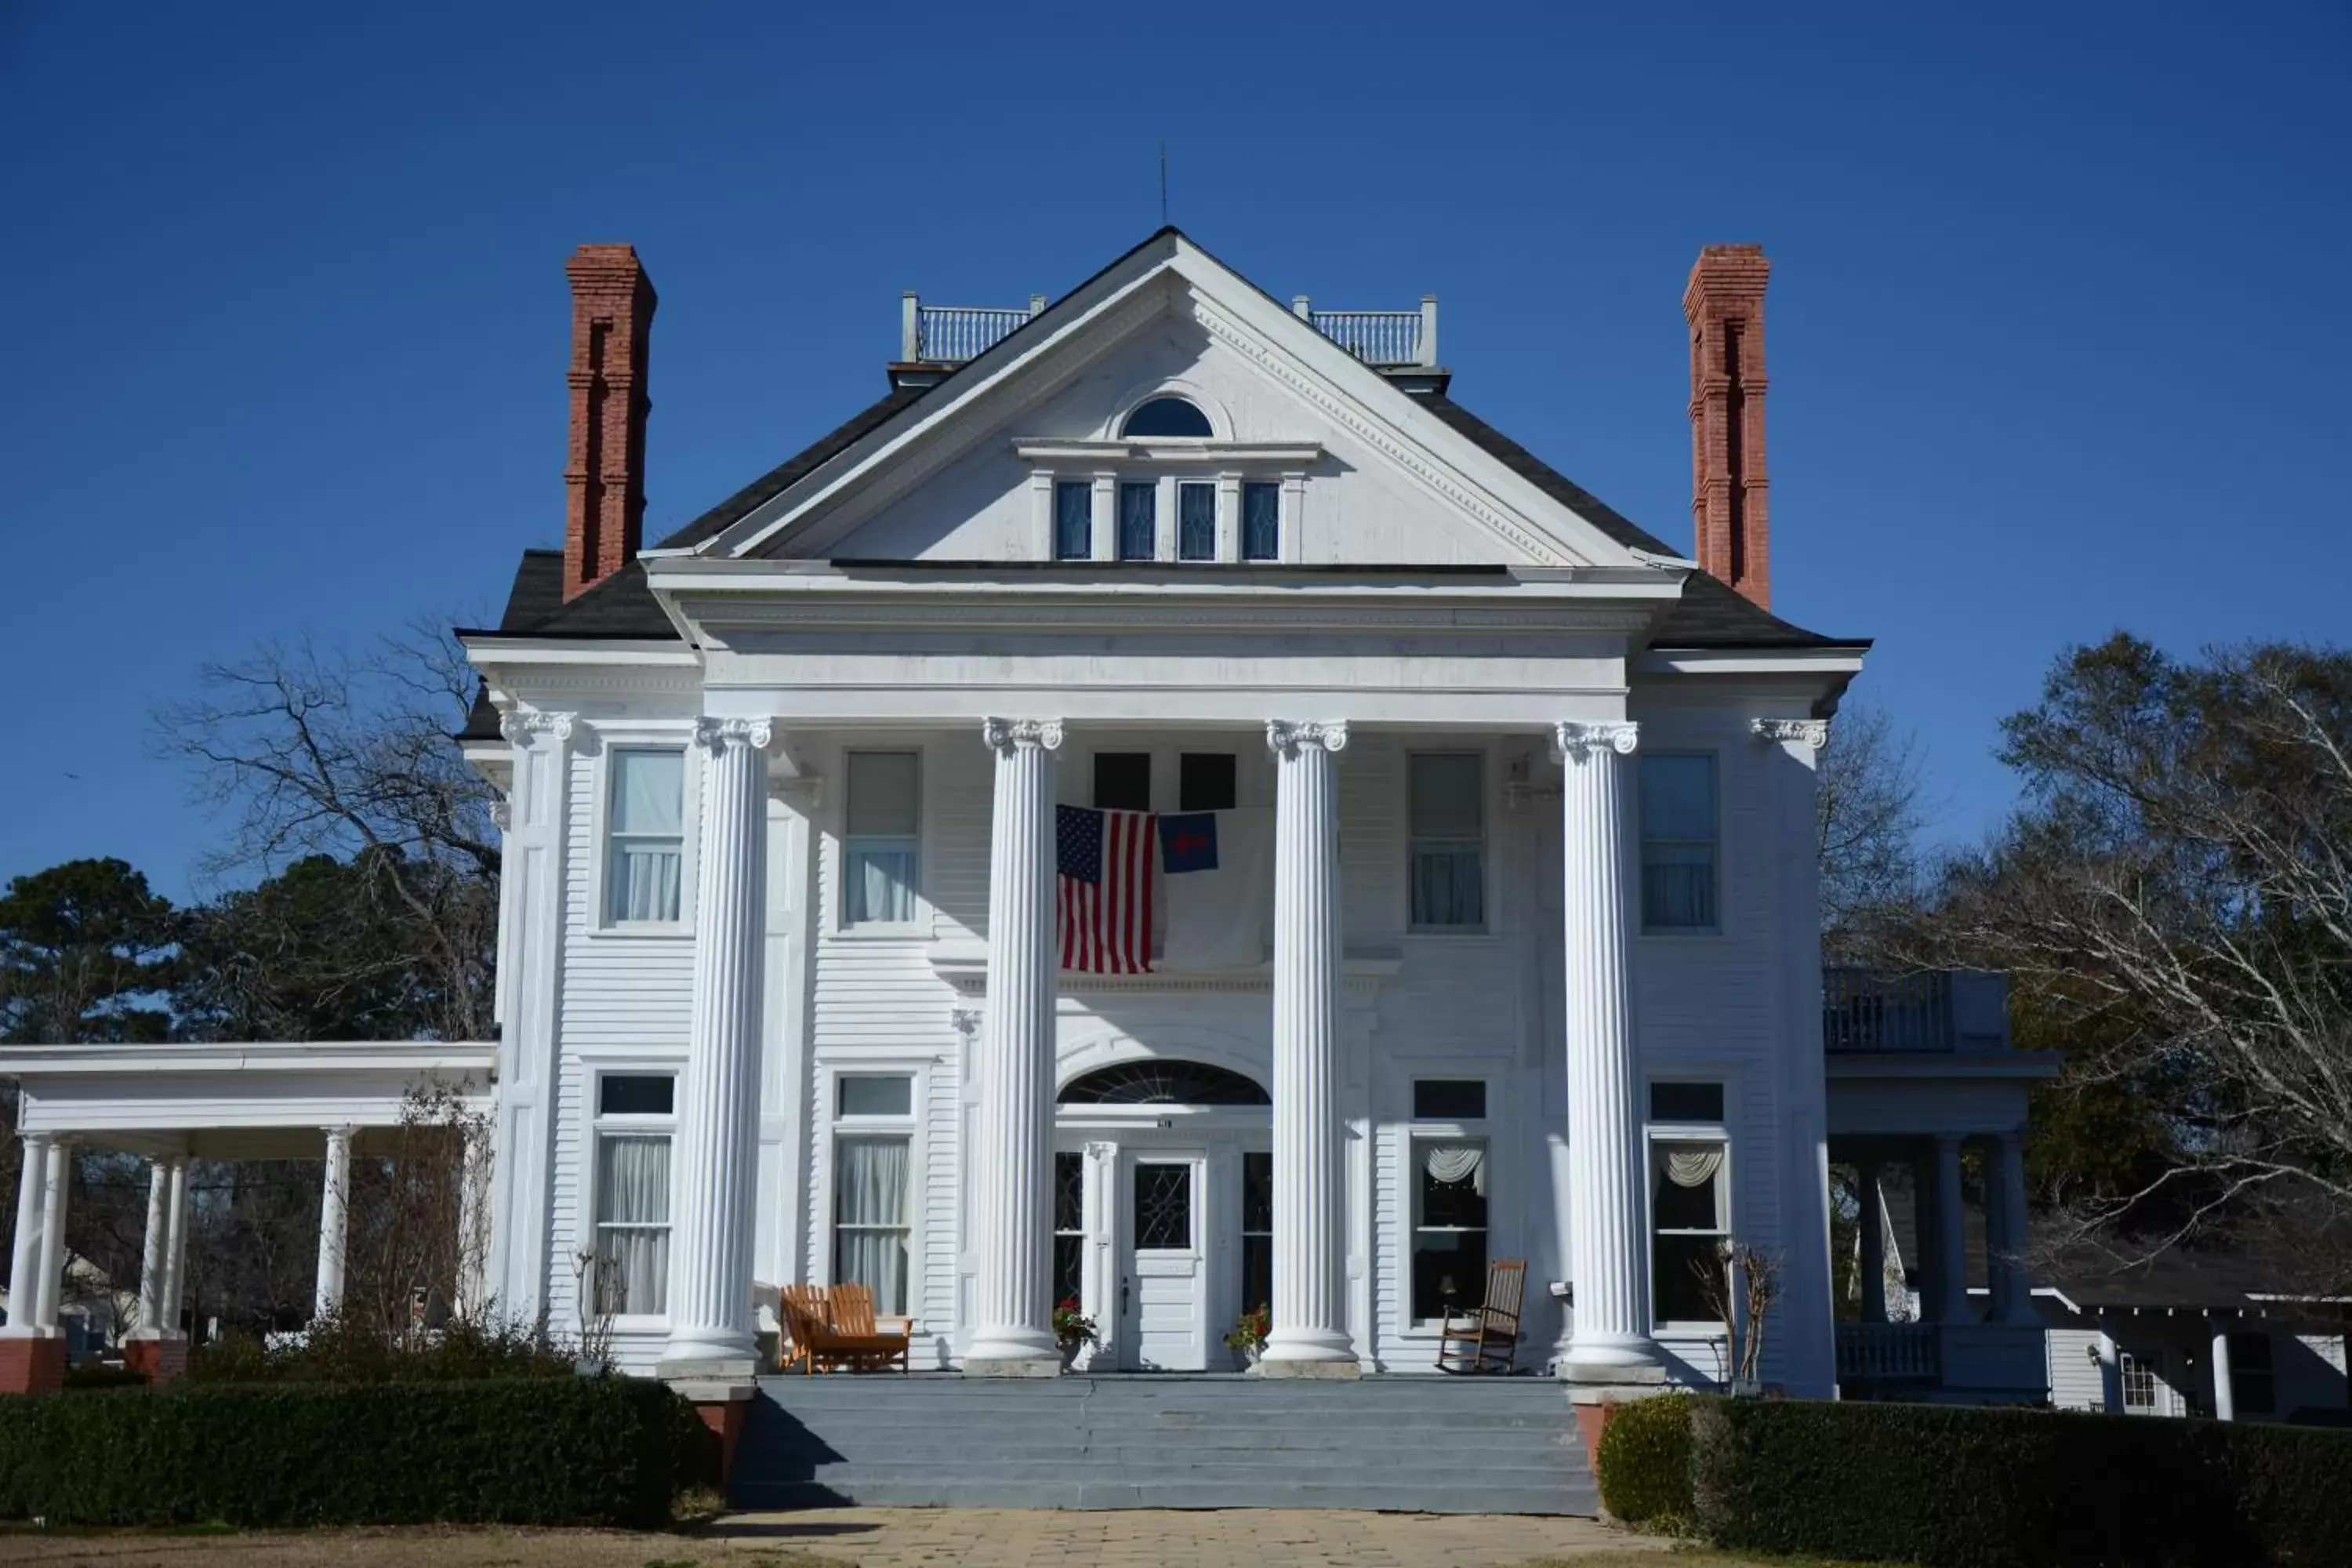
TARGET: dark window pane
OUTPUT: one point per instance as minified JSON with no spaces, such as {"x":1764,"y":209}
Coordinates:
{"x":1449,"y":1271}
{"x":1257,"y":1192}
{"x":1163,"y":1207}
{"x":1258,"y":1272}
{"x":1451,"y":1202}
{"x":1204,"y":780}
{"x":1138,"y":522}
{"x":1073,"y":521}
{"x":1676,"y":1293}
{"x":1069,"y":1267}
{"x":2251,"y":1383}
{"x":1687,"y":1102}
{"x":1196,"y":523}
{"x":1123,"y":780}
{"x":1261,"y":522}
{"x":1162,"y":1081}
{"x":1069,"y":1192}
{"x":862,"y":1095}
{"x":630,"y":1094}
{"x":1167,"y":416}
{"x":1449,"y":1099}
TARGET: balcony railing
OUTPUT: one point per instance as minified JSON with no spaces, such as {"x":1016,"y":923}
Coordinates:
{"x":1927,"y":1010}
{"x":1889,"y":1352}
{"x":951,"y":334}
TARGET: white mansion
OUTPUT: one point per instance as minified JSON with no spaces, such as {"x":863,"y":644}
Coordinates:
{"x":1166,"y":809}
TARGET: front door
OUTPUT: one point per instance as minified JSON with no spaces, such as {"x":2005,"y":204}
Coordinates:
{"x":1162,"y":1286}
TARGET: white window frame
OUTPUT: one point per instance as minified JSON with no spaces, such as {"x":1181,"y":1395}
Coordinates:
{"x":1414,"y":1131}
{"x":1486,"y":801}
{"x":1655,"y":1133}
{"x":2151,"y":1363}
{"x":599,"y":1125}
{"x":913,"y":1126}
{"x":1642,"y":840}
{"x":610,"y":738}
{"x":837,"y":892}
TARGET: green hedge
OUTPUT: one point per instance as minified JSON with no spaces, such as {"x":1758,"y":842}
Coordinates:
{"x":1644,"y":1464}
{"x":1948,"y":1487}
{"x":601,"y":1450}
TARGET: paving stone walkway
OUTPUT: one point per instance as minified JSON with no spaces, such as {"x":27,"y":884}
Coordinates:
{"x":1241,"y":1538}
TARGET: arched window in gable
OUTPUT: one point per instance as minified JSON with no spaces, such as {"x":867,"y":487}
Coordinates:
{"x":1167,"y":416}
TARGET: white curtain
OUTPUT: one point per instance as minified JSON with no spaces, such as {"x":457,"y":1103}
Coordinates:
{"x":1449,"y":885}
{"x":633,"y":1223}
{"x":869,"y":1210}
{"x":648,"y":831}
{"x":644,"y":876}
{"x":1456,"y":1162}
{"x":1693,"y":1167}
{"x":879,"y":884}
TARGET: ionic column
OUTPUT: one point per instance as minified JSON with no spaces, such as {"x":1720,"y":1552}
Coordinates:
{"x":1309,"y":1337}
{"x":155,"y":1248}
{"x":711,"y":1330}
{"x":1012,"y":1168}
{"x":48,"y":1283}
{"x":175,"y":1246}
{"x":2013,"y":1284}
{"x":1949,"y":1234}
{"x":32,"y":1221}
{"x":1611,"y":1344}
{"x":473,"y":1216}
{"x":1873,"y":1222}
{"x":334,"y":1220}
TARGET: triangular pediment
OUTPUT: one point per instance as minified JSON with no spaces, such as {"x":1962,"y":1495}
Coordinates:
{"x":1375,"y":478}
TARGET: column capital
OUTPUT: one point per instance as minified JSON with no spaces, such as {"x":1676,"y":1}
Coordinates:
{"x":717,"y":734}
{"x":519,"y":728}
{"x":1289,"y":735}
{"x":1574,"y":740}
{"x":1004,"y":735}
{"x":1811,"y":734}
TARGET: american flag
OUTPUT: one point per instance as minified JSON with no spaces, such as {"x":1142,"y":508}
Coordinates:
{"x":1103,"y":904}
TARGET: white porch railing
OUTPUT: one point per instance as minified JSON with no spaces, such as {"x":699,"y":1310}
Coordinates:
{"x":1927,"y":1010}
{"x":951,"y":334}
{"x":1889,"y":1352}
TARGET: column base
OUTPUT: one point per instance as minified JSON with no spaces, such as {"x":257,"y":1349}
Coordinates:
{"x":32,"y":1361}
{"x":695,"y":1376}
{"x":1012,"y":1366}
{"x":1012,"y":1353}
{"x":163,"y":1358}
{"x":711,"y":1347}
{"x":1309,"y":1352}
{"x":1342,"y":1370}
{"x":1631,"y":1362}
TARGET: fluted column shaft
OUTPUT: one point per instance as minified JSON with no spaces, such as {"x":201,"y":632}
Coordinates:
{"x":155,"y":1247}
{"x":1950,"y":1234}
{"x":334,"y":1221}
{"x":32,"y":1218}
{"x":2012,"y":1283}
{"x":716,"y":1170}
{"x":175,"y":1249}
{"x":1013,"y":1194}
{"x":1309,"y":1335}
{"x":1611,"y":1265}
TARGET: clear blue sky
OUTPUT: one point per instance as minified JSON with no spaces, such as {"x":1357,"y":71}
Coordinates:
{"x":2058,"y":342}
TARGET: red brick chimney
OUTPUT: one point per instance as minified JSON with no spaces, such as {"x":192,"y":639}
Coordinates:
{"x":1730,"y":509}
{"x":604,"y":476}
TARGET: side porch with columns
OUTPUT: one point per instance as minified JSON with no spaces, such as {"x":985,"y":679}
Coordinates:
{"x":174,"y":1104}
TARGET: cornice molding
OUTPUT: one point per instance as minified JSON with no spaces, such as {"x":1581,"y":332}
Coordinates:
{"x":1004,"y":734}
{"x":1573,"y":741}
{"x":1126,"y":611}
{"x":1813,"y":734}
{"x":1288,"y":736}
{"x":1261,"y":353}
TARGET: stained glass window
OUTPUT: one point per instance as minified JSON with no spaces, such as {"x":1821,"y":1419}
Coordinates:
{"x":1261,"y":522}
{"x":1069,"y":1226}
{"x":1196,"y":523}
{"x":1074,"y":520}
{"x":1139,"y":521}
{"x":1163,"y":1207}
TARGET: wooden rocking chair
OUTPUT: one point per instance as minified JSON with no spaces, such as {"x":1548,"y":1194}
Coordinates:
{"x":1486,"y":1338}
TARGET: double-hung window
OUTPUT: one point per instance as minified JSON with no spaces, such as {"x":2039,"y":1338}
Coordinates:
{"x":1447,"y":1172}
{"x":644,"y":836}
{"x":631,"y":1256}
{"x":2141,"y":1373}
{"x":1139,"y":521}
{"x":1196,"y":521}
{"x":1690,"y":1187}
{"x":1447,"y":811}
{"x":1074,"y":520}
{"x":2253,"y":1386}
{"x":1678,"y":841}
{"x":873,"y":1185}
{"x":881,"y":851}
{"x":1261,"y":521}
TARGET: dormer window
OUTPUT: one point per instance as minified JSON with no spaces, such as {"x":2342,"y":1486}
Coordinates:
{"x":1167,"y":416}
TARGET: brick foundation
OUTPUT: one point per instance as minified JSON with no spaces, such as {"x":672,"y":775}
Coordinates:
{"x":162,"y":1359}
{"x":725,"y":1418}
{"x":32,"y":1365}
{"x":1592,"y":1420}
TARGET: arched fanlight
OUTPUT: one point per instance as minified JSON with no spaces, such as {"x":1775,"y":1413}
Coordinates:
{"x":1167,"y":416}
{"x":1158,"y":1082}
